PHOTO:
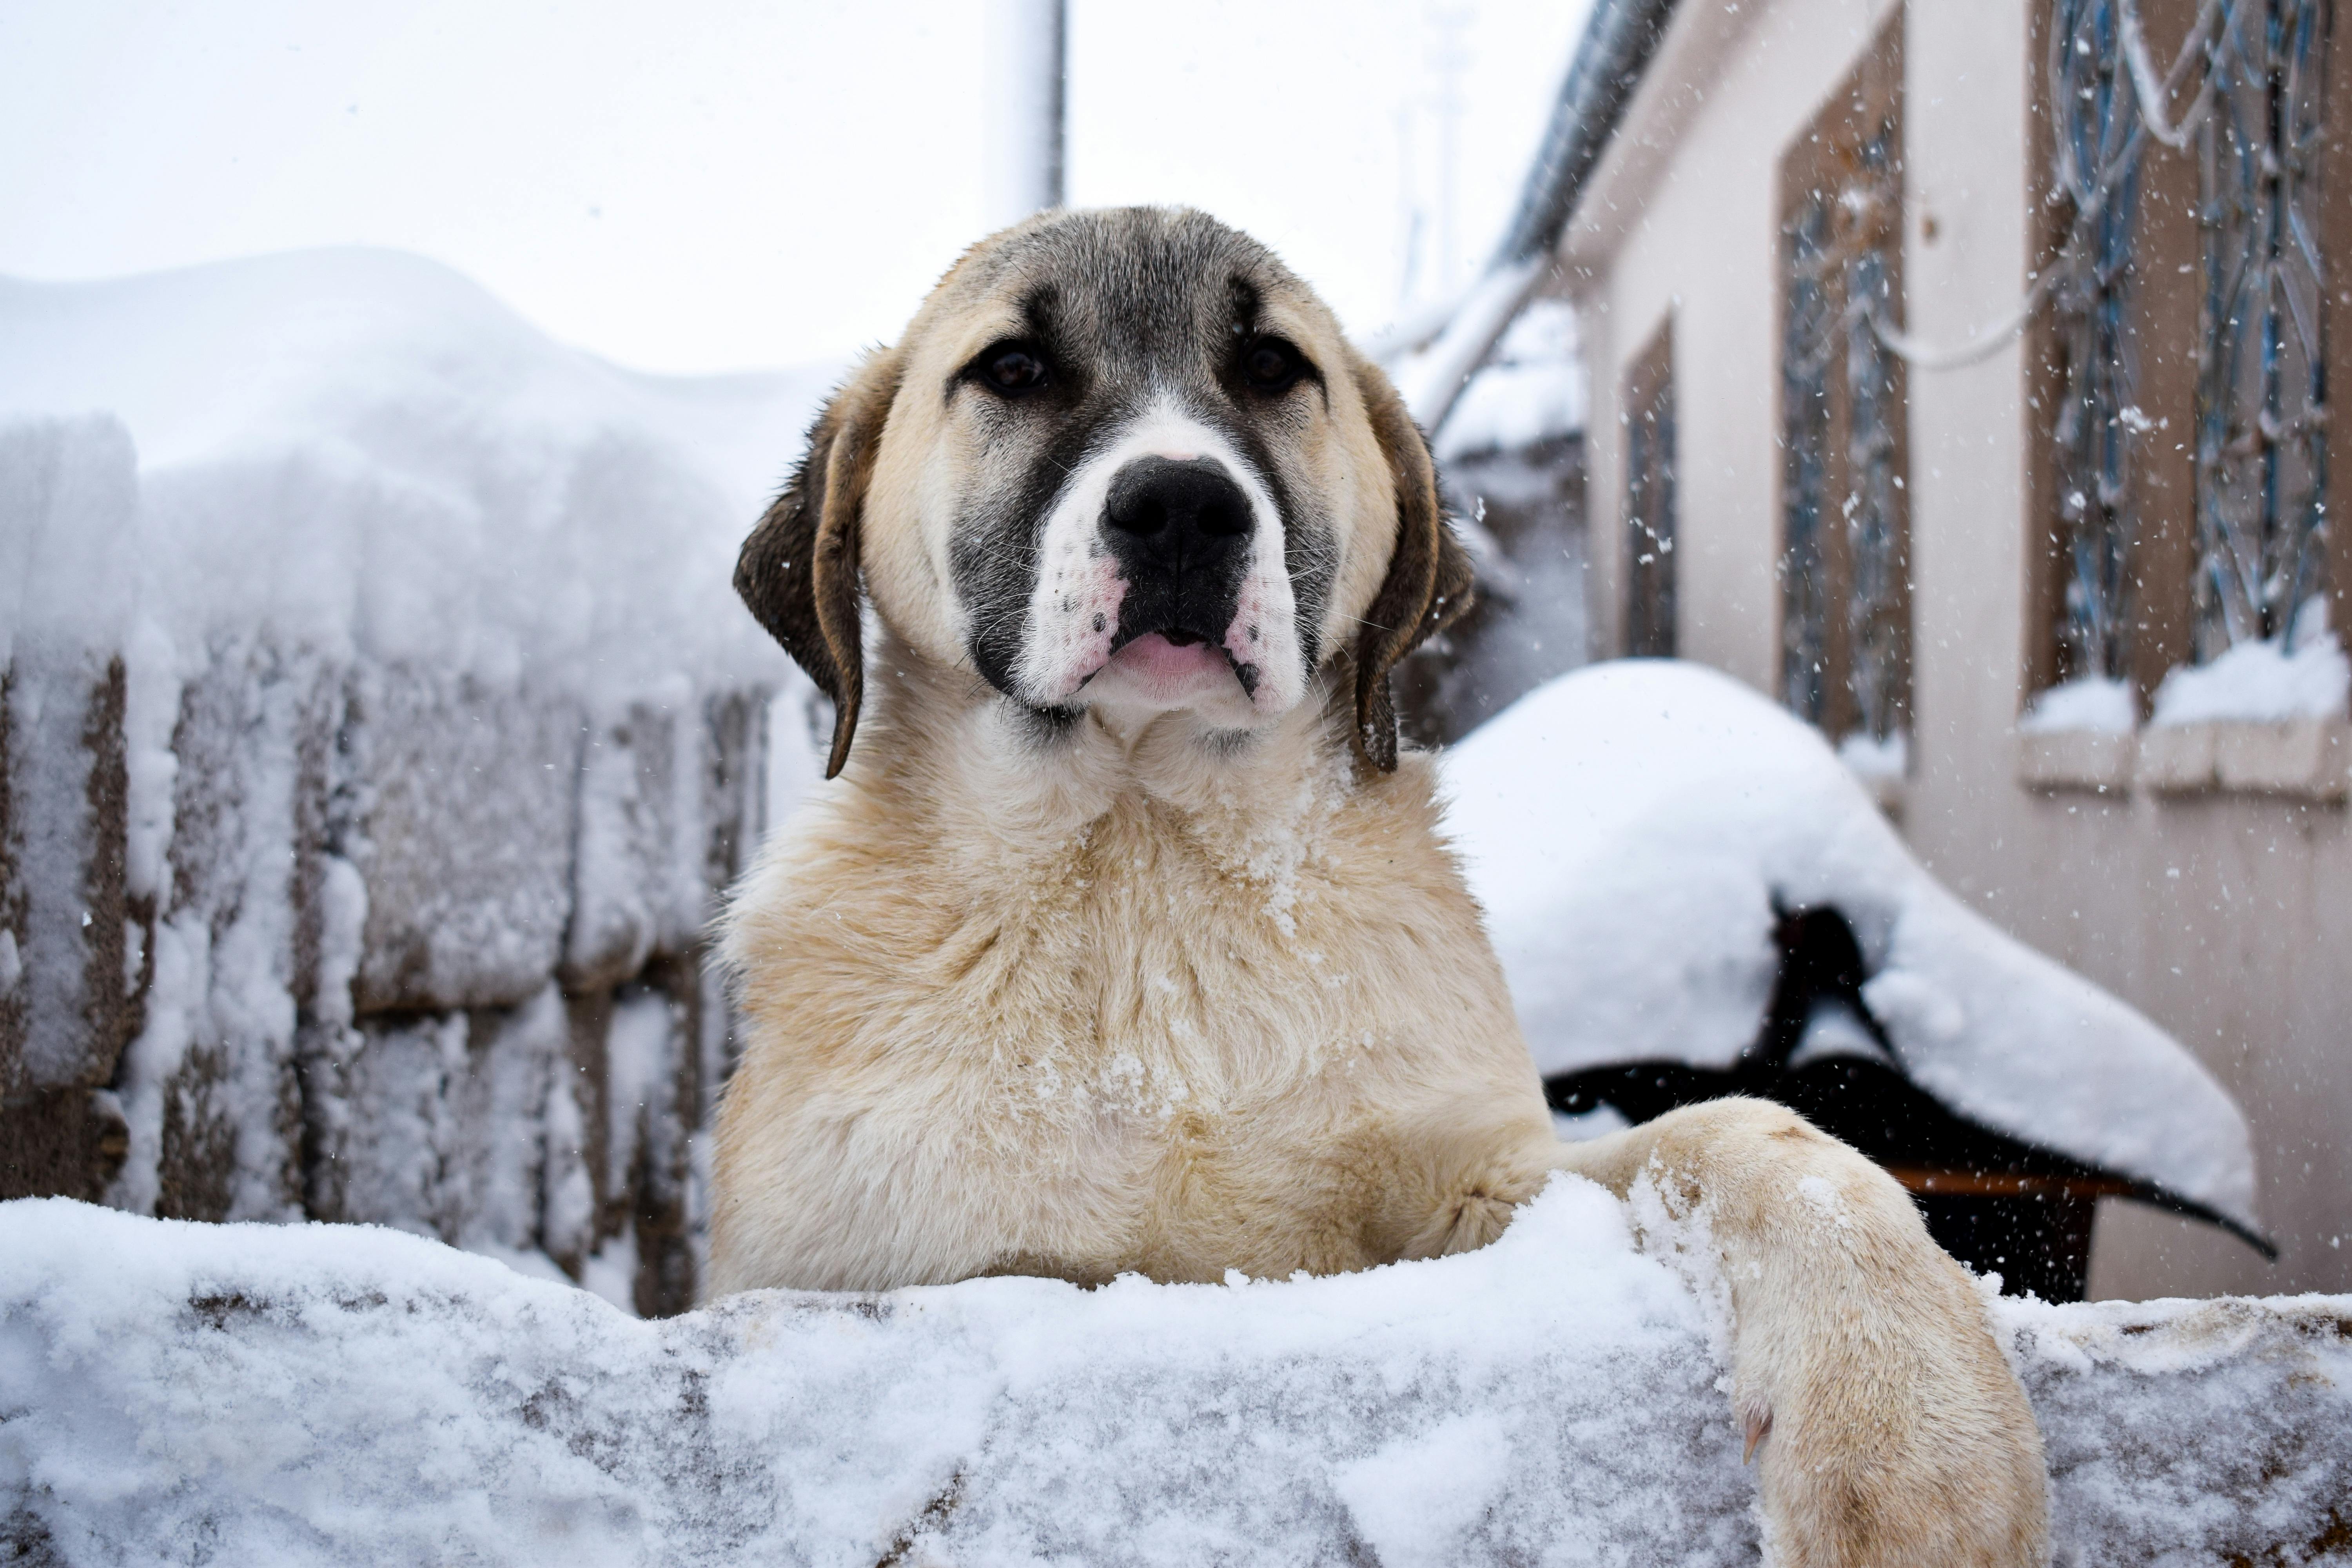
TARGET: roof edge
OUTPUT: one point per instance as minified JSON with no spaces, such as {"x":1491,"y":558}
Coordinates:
{"x":1620,"y":38}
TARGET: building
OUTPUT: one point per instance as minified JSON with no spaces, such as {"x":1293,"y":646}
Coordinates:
{"x":1945,"y":390}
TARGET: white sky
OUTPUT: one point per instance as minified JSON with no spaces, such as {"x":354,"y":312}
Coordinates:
{"x":712,"y":184}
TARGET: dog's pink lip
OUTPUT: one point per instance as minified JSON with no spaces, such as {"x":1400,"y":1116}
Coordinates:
{"x":1164,"y":663}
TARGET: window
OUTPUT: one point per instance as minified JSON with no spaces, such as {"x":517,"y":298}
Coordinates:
{"x":1649,"y":406}
{"x":2092,"y":422}
{"x":2179,"y":374}
{"x":2261,"y":394}
{"x":1845,"y":607}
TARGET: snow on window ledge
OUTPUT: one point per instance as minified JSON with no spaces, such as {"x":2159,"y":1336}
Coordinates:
{"x":2262,"y":719}
{"x":2259,"y":682}
{"x":1882,"y":767}
{"x":2257,"y":720}
{"x":2093,"y":704}
{"x":2078,"y":735}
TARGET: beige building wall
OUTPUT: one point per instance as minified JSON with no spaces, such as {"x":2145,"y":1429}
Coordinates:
{"x":2226,"y":918}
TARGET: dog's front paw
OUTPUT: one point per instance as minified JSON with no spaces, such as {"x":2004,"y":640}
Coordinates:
{"x":1892,"y":1433}
{"x":1865,"y":1376}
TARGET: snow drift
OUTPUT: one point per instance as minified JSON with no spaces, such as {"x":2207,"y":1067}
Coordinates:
{"x":364,"y":453}
{"x":266,"y":1395}
{"x":1632,"y":830}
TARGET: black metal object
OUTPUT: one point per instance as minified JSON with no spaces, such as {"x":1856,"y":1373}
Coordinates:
{"x":1993,"y":1202}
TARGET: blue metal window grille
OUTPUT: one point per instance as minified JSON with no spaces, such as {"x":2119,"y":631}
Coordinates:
{"x":2261,"y":388}
{"x":1877,"y":610}
{"x":2096,"y":139}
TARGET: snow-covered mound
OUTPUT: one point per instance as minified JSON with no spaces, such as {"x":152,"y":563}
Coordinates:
{"x":320,"y":1394}
{"x":364,"y":452}
{"x":1631,"y":829}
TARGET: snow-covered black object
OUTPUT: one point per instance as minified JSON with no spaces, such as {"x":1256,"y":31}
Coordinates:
{"x":1634,"y":831}
{"x":173,"y":1393}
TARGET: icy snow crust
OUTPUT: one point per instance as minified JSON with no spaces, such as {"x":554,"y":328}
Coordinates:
{"x":335,"y":1394}
{"x":270,"y":1395}
{"x":1631,"y":830}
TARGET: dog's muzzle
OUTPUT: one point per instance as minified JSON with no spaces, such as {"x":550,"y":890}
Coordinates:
{"x":1179,"y":530}
{"x":1169,"y":540}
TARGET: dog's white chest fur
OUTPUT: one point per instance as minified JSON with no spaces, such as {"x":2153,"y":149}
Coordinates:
{"x":1167,"y":1039}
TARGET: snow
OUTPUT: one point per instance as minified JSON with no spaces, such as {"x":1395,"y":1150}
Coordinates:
{"x":67,"y":501}
{"x":327,"y":1394}
{"x":2259,"y":682}
{"x":331,"y":1393}
{"x":1876,"y":758}
{"x":1832,"y":1028}
{"x":1531,"y":391}
{"x":2193,"y":1431}
{"x":1431,"y":376}
{"x":1630,"y":831}
{"x":366,"y":453}
{"x":2088,"y":703}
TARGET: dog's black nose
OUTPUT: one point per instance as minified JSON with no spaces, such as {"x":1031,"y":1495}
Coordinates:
{"x":1189,"y":507}
{"x":1180,"y":529}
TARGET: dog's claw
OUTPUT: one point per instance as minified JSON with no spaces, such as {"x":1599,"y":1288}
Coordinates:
{"x":1758,"y":1424}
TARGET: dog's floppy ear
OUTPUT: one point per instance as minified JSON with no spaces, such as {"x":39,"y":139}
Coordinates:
{"x":1429,"y":579}
{"x":798,"y":572}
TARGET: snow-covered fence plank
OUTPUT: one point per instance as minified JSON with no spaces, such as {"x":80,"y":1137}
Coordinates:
{"x":338,"y":1394}
{"x":66,"y":907}
{"x":401,"y":916}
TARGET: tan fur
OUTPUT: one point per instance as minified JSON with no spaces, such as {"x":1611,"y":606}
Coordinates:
{"x":1150,"y":1003}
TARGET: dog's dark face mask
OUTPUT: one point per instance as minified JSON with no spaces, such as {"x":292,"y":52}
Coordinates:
{"x":1120,"y":460}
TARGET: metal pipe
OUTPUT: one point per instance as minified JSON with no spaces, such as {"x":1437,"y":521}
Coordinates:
{"x":1027,"y":50}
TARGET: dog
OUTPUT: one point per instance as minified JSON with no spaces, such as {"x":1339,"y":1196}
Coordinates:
{"x":1126,"y":937}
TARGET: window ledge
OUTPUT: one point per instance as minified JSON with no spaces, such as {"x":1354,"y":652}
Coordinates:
{"x":2098,"y":760}
{"x":2308,"y":758}
{"x":2304,"y":758}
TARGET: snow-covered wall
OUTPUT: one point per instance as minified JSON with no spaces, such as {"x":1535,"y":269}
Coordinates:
{"x":258,"y":1394}
{"x":377,"y":729}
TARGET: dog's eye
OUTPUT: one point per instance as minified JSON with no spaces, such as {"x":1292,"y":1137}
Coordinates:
{"x":1014,"y":368}
{"x":1271,"y":364}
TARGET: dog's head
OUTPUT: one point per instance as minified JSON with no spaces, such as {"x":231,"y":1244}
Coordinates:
{"x":1122,"y":461}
